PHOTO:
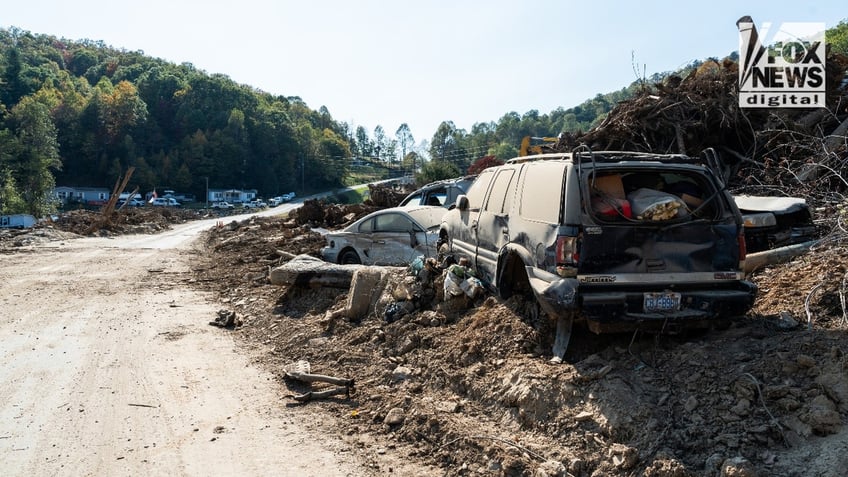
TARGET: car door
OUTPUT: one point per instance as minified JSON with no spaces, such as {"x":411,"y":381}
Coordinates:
{"x":463,"y":223}
{"x":392,"y":239}
{"x":492,"y":231}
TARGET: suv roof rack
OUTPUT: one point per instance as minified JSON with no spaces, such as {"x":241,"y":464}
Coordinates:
{"x":583,"y":154}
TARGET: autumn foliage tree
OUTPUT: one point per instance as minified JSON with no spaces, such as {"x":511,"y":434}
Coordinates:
{"x":484,"y":162}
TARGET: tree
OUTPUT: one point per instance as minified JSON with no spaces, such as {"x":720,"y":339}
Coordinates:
{"x":333,"y":152}
{"x":504,"y":151}
{"x":363,"y":142}
{"x":443,"y":145}
{"x":13,"y":89}
{"x":381,"y":144}
{"x":436,"y":171}
{"x":484,"y":162}
{"x":39,"y":153}
{"x":404,"y":139}
{"x":837,"y":38}
{"x":11,"y":201}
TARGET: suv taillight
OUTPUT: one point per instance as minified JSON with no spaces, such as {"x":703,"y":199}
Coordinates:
{"x":743,"y":249}
{"x":567,"y":256}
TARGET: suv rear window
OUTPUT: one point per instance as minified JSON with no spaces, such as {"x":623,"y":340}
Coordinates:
{"x":651,"y":195}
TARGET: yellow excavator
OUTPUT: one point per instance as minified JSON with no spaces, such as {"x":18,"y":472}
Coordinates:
{"x":533,"y":145}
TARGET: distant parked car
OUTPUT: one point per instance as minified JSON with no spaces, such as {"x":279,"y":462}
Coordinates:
{"x":440,"y":193}
{"x":287,"y":197}
{"x":131,"y":203}
{"x":393,"y":236}
{"x":165,"y":202}
{"x":222,"y":205}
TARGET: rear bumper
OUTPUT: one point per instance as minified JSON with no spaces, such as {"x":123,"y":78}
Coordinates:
{"x":616,"y":308}
{"x":610,"y":311}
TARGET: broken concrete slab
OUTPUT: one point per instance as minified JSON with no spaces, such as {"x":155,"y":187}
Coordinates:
{"x":308,"y":271}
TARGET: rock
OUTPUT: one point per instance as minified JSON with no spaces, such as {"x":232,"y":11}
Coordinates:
{"x":364,"y":289}
{"x":821,"y":415}
{"x":713,"y":464}
{"x":226,"y":319}
{"x":691,"y":404}
{"x":785,"y":321}
{"x":319,"y":342}
{"x":409,"y":344}
{"x":550,"y":468}
{"x":794,"y":424}
{"x":404,"y":291}
{"x":737,"y":467}
{"x":623,"y":457}
{"x":448,"y":406}
{"x":584,"y":416}
{"x":401,"y":373}
{"x":805,"y":361}
{"x":394,"y":417}
{"x":835,"y":385}
{"x":742,"y":408}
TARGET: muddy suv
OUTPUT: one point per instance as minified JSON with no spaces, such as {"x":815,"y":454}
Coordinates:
{"x":621,"y":240}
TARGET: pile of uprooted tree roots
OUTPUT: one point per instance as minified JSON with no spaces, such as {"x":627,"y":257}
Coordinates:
{"x":764,"y":149}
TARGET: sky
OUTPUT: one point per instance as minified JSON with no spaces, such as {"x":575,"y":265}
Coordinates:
{"x":389,"y":62}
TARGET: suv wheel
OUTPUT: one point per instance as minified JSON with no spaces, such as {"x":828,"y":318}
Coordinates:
{"x":512,"y":279}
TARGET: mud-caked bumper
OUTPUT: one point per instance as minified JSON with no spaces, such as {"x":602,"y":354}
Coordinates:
{"x":622,"y":308}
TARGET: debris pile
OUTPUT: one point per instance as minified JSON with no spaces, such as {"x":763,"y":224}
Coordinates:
{"x":131,"y":220}
{"x":464,"y":383}
{"x":764,"y":148}
{"x":323,"y":214}
{"x":383,"y":195}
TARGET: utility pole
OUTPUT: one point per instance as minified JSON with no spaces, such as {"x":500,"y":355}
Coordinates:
{"x":207,"y":192}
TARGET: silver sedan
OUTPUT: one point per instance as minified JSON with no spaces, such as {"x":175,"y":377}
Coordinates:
{"x":394,"y":236}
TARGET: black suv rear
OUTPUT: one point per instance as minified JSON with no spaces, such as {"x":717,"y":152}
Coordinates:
{"x":623,"y":240}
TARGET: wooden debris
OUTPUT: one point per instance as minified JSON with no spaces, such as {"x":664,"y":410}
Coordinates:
{"x":312,"y":395}
{"x":301,"y":371}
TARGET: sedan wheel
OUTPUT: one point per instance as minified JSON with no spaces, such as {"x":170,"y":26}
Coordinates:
{"x":349,"y":257}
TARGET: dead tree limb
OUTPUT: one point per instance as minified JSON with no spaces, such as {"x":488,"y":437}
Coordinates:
{"x":311,"y":395}
{"x":319,"y":378}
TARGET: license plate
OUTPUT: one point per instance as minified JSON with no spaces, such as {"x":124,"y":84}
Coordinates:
{"x":665,"y":301}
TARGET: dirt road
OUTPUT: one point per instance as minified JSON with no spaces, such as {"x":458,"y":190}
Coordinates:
{"x":110,"y":368}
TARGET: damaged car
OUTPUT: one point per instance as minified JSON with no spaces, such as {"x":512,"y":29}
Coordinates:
{"x":394,"y":236}
{"x":620,"y":240}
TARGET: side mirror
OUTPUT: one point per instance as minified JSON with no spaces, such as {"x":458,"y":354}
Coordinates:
{"x":462,"y":203}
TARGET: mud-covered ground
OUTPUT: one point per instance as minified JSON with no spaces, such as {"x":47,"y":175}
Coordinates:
{"x":468,"y":387}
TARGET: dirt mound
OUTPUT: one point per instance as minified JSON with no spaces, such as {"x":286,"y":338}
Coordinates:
{"x":382,"y":195}
{"x":472,"y":390}
{"x":131,"y":220}
{"x":320,"y":213}
{"x":11,"y":238}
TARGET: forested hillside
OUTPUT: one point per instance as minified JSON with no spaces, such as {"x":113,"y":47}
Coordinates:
{"x":83,"y":112}
{"x":80,"y":113}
